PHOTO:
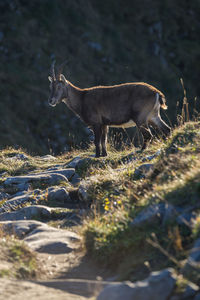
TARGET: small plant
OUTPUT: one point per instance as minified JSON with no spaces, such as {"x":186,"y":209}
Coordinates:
{"x":4,"y":273}
{"x":196,"y":227}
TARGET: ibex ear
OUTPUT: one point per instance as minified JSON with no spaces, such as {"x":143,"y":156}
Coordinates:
{"x":50,"y":79}
{"x":62,"y":78}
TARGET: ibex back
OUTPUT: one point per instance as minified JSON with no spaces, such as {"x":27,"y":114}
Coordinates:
{"x":100,"y":107}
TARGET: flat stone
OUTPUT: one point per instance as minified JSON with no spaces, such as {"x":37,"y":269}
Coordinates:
{"x":157,"y":284}
{"x":27,"y":213}
{"x":68,"y":173}
{"x":50,"y":178}
{"x":150,"y":157}
{"x":47,"y":157}
{"x":13,"y":289}
{"x":41,"y":237}
{"x":16,"y":202}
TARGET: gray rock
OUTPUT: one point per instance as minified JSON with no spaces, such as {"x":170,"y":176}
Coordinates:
{"x":47,"y":157}
{"x":27,"y":213}
{"x":82,"y":191}
{"x":58,"y":194}
{"x":16,"y":202}
{"x":158,"y":285}
{"x":41,"y":237}
{"x":68,"y":173}
{"x":83,"y":162}
{"x":4,"y":196}
{"x":156,"y":213}
{"x":74,"y":162}
{"x":186,"y":218}
{"x":20,"y":228}
{"x":152,"y":214}
{"x":21,"y":156}
{"x":23,"y":187}
{"x":51,"y":178}
{"x":75,"y":179}
{"x":150,"y":157}
{"x":143,"y":170}
{"x":191,"y":269}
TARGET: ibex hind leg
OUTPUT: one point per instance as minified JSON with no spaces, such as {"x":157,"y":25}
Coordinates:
{"x":97,"y":138}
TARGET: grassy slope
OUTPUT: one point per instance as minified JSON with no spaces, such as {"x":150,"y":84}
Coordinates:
{"x":117,"y":196}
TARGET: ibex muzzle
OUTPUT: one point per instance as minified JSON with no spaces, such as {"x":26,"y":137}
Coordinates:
{"x":100,"y":107}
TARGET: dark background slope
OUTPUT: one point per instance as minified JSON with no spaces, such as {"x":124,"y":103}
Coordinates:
{"x":105,"y":42}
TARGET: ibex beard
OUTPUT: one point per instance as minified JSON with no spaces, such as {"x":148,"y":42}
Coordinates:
{"x":124,"y":105}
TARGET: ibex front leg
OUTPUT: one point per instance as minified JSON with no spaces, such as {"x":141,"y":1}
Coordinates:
{"x":104,"y":139}
{"x":160,"y":125}
{"x":97,"y":138}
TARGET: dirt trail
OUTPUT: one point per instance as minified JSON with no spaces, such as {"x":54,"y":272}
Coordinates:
{"x":63,"y":276}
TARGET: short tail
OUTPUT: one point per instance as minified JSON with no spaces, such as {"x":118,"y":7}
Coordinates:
{"x":162,"y":100}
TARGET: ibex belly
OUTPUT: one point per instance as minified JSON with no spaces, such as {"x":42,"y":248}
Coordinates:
{"x":128,"y":124}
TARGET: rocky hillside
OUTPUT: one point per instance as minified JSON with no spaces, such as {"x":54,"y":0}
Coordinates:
{"x":78,"y":226}
{"x":105,"y":43}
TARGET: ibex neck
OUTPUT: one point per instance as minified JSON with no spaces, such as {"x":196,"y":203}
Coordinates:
{"x":73,"y":98}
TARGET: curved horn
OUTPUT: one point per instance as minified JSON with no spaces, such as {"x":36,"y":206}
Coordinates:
{"x":53,"y":70}
{"x":60,"y":69}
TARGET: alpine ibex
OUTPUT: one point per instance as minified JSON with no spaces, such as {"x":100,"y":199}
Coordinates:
{"x":124,"y":105}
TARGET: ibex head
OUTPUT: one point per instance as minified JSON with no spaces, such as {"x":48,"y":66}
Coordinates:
{"x":58,"y":89}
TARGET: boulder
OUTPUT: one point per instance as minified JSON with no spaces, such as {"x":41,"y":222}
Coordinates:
{"x":41,"y":237}
{"x":27,"y":213}
{"x":150,"y":215}
{"x":155,"y":213}
{"x":191,"y":269}
{"x":58,"y":194}
{"x":51,"y":178}
{"x":68,"y":173}
{"x":16,"y":202}
{"x":75,"y":179}
{"x":159,"y":285}
{"x":82,"y":191}
{"x":74,"y":162}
